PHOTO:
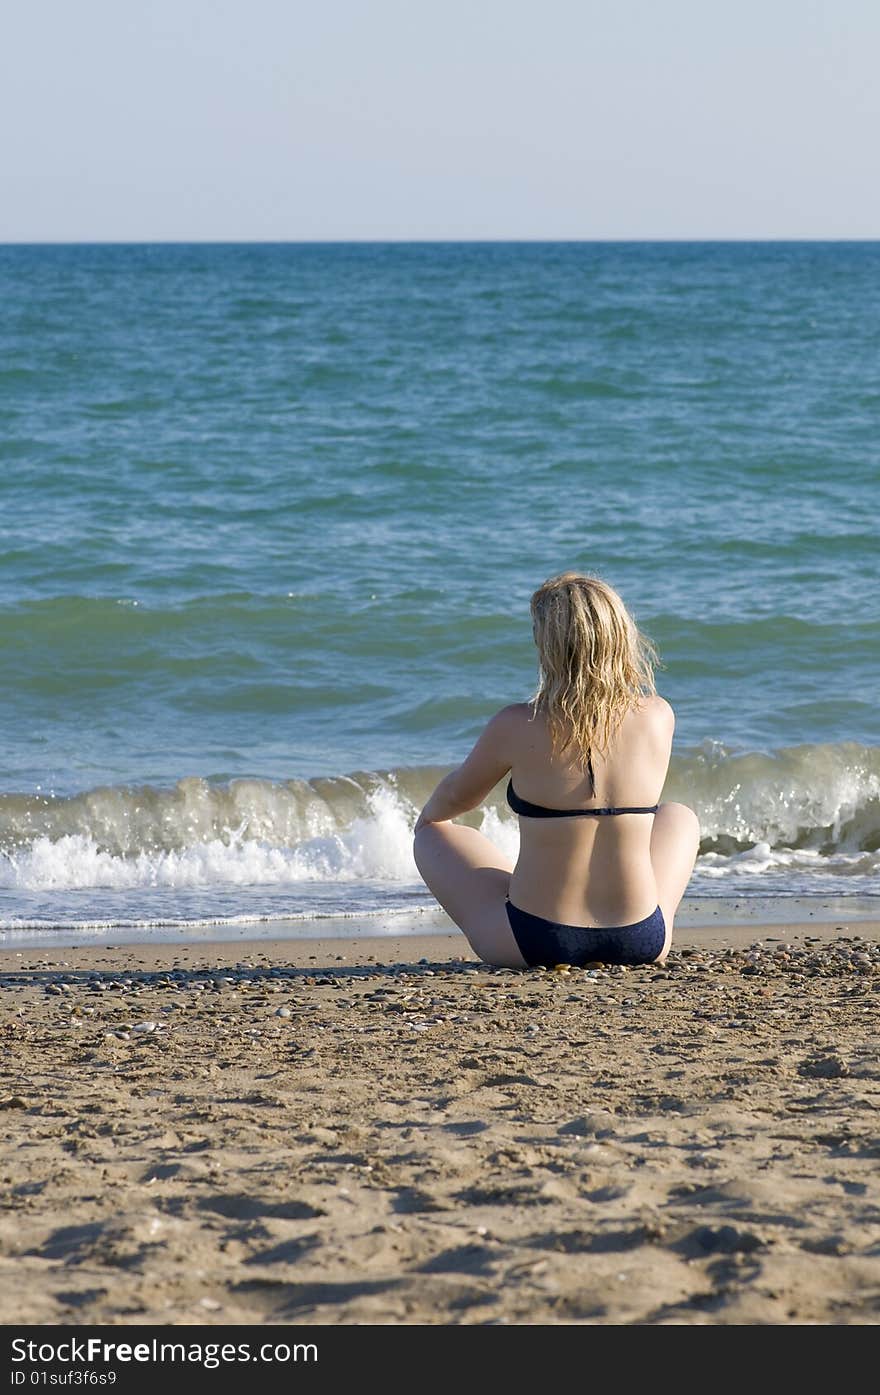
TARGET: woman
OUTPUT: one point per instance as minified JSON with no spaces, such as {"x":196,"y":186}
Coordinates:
{"x":602,"y":865}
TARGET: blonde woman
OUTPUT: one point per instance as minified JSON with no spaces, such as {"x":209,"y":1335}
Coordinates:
{"x":602,"y":864}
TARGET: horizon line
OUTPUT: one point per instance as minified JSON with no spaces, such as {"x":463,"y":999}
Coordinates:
{"x":419,"y":241}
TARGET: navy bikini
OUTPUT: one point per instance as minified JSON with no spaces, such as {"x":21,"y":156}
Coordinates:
{"x":548,"y":942}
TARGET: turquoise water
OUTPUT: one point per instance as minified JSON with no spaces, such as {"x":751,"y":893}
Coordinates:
{"x":271,"y":515}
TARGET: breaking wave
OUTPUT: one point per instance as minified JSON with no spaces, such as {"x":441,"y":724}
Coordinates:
{"x":799,"y":818}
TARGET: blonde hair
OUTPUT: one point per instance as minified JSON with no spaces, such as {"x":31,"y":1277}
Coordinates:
{"x":595,"y":665}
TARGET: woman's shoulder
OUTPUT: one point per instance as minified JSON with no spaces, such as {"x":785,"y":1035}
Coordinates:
{"x":651,"y":719}
{"x":512,"y":717}
{"x":657,"y":710}
{"x":510,"y":724}
{"x":652,"y":724}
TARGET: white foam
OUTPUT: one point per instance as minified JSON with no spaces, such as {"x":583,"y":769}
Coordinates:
{"x":795,"y":797}
{"x":375,"y":847}
{"x":196,"y":922}
{"x":803,"y":812}
{"x":761,"y":858}
{"x":503,"y":832}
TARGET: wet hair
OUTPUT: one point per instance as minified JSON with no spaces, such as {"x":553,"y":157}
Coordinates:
{"x":595,"y":665}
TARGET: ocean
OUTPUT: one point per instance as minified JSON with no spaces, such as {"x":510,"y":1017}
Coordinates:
{"x":271,"y":514}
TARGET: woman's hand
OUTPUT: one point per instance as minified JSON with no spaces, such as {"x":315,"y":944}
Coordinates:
{"x":441,"y":806}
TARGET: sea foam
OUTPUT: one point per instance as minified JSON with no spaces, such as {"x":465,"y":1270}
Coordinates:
{"x":812,"y":811}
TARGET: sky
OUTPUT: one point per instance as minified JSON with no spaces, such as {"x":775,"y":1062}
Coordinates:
{"x":352,"y":120}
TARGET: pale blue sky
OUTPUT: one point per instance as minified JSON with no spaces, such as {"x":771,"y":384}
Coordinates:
{"x":422,"y":119}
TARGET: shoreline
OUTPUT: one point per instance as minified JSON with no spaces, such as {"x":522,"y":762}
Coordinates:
{"x":438,"y":948}
{"x":696,"y":915}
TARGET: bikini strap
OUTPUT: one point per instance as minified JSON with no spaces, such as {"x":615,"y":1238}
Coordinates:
{"x":528,"y":810}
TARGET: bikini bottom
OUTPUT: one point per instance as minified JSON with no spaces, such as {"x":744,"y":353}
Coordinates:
{"x":548,"y":942}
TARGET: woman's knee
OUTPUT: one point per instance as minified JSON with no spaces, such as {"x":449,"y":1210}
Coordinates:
{"x":675,"y":843}
{"x":432,"y":843}
{"x":424,"y":840}
{"x":682,"y":817}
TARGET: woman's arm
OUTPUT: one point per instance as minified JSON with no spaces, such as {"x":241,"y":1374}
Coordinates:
{"x":466,"y":787}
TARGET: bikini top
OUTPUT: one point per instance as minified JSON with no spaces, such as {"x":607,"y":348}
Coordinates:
{"x":540,"y":811}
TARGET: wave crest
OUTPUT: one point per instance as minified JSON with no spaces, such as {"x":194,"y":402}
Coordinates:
{"x":805,"y":807}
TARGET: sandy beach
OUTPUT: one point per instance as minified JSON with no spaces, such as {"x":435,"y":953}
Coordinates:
{"x":385,"y":1131}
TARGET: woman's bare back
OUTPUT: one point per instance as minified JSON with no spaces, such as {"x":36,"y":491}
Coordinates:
{"x":589,"y":871}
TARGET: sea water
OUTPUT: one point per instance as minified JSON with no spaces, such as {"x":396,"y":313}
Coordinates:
{"x":270,"y":517}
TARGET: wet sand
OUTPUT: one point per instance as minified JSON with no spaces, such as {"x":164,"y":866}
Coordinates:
{"x":385,"y":1131}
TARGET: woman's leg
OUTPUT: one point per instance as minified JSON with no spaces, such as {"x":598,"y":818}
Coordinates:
{"x":675,"y":841}
{"x":470,"y":877}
